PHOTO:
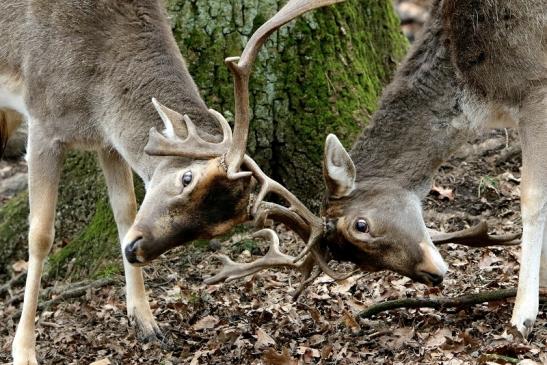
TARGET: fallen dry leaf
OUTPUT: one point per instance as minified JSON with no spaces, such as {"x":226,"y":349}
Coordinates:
{"x":104,"y":361}
{"x":442,"y":193}
{"x":207,"y":322}
{"x":272,"y":357}
{"x":19,"y":266}
{"x":263,"y":339}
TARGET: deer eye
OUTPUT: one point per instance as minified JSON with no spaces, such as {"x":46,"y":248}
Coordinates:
{"x":361,"y":225}
{"x":187,"y":178}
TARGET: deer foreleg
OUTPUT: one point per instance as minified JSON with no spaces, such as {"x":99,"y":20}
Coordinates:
{"x":44,"y":163}
{"x":533,"y":132}
{"x":119,"y":180}
{"x":543,"y":263}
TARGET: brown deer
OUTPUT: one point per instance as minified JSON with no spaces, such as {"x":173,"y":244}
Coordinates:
{"x":82,"y":75}
{"x":478,"y":64}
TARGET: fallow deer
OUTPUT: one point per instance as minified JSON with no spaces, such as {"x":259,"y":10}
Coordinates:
{"x":82,"y":75}
{"x":478,"y":64}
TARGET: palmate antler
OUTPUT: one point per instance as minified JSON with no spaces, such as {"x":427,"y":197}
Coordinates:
{"x":476,"y":236}
{"x":233,"y":146}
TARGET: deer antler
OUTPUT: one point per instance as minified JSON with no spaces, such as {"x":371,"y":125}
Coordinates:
{"x":476,"y":236}
{"x":241,"y":69}
{"x":233,"y":148}
{"x":191,"y":146}
{"x":273,"y":258}
{"x":305,"y":264}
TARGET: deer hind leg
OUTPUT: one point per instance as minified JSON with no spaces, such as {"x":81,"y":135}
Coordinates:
{"x":533,"y":133}
{"x":119,"y":180}
{"x":44,"y":163}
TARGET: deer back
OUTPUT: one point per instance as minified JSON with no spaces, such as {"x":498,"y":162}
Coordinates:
{"x":499,"y":47}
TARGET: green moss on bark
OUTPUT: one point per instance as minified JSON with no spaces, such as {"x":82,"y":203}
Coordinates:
{"x":85,"y":238}
{"x":320,"y":74}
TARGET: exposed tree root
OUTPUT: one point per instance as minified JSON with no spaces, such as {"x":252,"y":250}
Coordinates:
{"x":13,"y":281}
{"x":445,"y":302}
{"x":73,"y":291}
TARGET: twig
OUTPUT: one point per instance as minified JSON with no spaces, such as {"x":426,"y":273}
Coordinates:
{"x":72,"y":292}
{"x":497,"y":357}
{"x":13,"y":281}
{"x":445,"y":302}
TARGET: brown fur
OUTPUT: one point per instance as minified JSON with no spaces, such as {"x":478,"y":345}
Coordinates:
{"x":498,"y":46}
{"x":84,"y":72}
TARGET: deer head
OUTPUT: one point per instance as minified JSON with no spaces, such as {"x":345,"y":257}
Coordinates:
{"x":187,"y":199}
{"x":210,"y":195}
{"x":376,"y":224}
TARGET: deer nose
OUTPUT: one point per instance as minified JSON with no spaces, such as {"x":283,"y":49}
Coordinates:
{"x":434,"y":279}
{"x":130,"y":251}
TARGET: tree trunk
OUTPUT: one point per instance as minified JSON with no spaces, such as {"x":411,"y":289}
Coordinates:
{"x":320,"y":74}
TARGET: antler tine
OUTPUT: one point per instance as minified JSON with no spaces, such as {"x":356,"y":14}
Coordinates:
{"x":476,"y":236}
{"x":283,"y":215}
{"x":268,"y":185}
{"x":295,"y":223}
{"x":193,"y":145}
{"x":273,"y":258}
{"x":241,"y":69}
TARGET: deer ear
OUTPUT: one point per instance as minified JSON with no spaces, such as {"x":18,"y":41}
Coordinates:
{"x":173,"y":121}
{"x":338,"y":168}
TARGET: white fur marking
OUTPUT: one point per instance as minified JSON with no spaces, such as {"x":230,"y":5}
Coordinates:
{"x":434,"y":257}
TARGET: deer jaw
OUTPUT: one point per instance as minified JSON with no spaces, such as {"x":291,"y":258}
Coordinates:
{"x":177,"y":210}
{"x":376,"y":224}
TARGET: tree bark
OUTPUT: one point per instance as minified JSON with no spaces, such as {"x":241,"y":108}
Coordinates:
{"x":320,"y":74}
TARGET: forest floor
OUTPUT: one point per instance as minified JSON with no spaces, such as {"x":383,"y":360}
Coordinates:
{"x":255,"y":321}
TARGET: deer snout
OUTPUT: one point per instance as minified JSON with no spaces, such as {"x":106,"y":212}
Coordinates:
{"x":132,"y":250}
{"x":432,"y":269}
{"x":132,"y":253}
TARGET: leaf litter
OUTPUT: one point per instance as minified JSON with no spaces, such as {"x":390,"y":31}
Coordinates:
{"x":255,"y":321}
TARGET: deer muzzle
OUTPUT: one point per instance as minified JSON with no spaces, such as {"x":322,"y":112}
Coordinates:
{"x":432,"y":269}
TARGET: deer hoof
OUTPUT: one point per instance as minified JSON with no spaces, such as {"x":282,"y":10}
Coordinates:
{"x":146,"y":331}
{"x":24,"y":358}
{"x":524,"y":326}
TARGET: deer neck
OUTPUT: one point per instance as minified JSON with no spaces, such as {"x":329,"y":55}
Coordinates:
{"x":419,"y":123}
{"x":151,"y":67}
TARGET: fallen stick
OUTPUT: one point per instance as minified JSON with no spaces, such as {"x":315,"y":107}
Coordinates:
{"x":445,"y":302}
{"x":13,"y":281}
{"x":76,"y":291}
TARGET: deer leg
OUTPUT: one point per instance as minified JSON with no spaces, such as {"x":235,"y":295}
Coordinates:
{"x":121,"y":193}
{"x":533,"y":132}
{"x":44,"y":164}
{"x":543,"y":262}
